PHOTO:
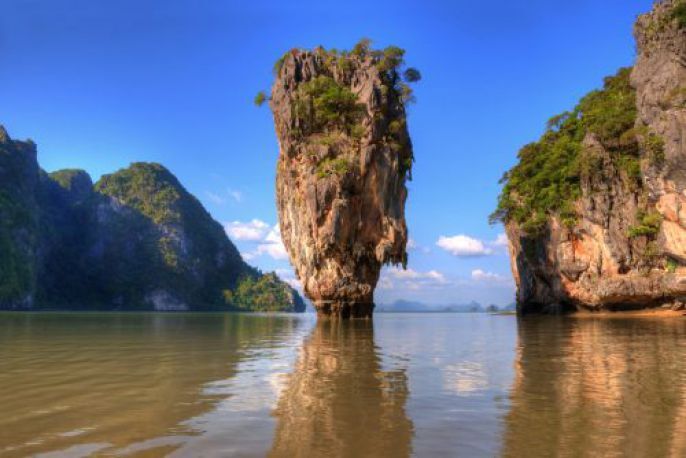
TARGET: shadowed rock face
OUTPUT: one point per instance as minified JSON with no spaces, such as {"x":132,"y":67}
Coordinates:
{"x":627,"y":246}
{"x":344,"y":157}
{"x":136,"y":240}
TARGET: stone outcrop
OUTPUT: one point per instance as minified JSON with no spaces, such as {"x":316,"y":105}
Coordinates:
{"x":626,"y":247}
{"x":135,"y":240}
{"x":344,"y":158}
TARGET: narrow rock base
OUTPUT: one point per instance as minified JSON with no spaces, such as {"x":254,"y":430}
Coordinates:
{"x":344,"y":310}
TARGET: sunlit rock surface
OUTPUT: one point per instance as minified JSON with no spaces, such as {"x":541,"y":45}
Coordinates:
{"x":341,"y":174}
{"x":627,"y":247}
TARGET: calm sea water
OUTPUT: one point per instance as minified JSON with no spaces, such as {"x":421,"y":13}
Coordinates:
{"x":215,"y":385}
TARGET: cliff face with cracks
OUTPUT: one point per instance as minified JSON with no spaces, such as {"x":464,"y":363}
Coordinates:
{"x":594,"y":211}
{"x":344,"y":158}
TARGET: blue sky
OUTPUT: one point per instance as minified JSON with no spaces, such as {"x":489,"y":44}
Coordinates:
{"x":100,"y":84}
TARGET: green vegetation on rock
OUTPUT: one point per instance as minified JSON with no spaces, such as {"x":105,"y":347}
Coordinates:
{"x":324,"y":105}
{"x":547,"y":179}
{"x":328,"y":167}
{"x":149,"y":188}
{"x":136,"y":240}
{"x":648,"y":224}
{"x":679,"y":13}
{"x":260,"y":98}
{"x":264,"y":294}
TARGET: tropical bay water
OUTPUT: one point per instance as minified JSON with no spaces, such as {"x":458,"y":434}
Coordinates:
{"x":283,"y":385}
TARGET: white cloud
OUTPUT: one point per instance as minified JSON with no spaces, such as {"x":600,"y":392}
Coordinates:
{"x":289,"y":277}
{"x":221,"y":198}
{"x":247,"y":256}
{"x":266,"y":237}
{"x":396,"y":278}
{"x":273,"y":245}
{"x":253,"y":231}
{"x":215,"y":198}
{"x":235,"y":195}
{"x":412,"y":245}
{"x":463,"y":246}
{"x":275,"y":250}
{"x":414,"y":275}
{"x":500,"y":241}
{"x":481,"y":275}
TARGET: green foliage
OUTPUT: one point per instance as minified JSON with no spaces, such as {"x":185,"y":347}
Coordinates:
{"x":648,"y":224}
{"x":15,"y":271}
{"x":264,"y":294}
{"x":362,"y":47}
{"x":149,"y":188}
{"x":611,"y":111}
{"x":66,"y":177}
{"x":655,"y":147}
{"x":671,"y":265}
{"x":278,"y":65}
{"x":328,"y":167}
{"x":325,"y":105}
{"x":392,"y":58}
{"x":260,"y":98}
{"x":546,"y":180}
{"x":68,"y":244}
{"x":322,"y":104}
{"x":679,"y":13}
{"x":412,"y":75}
{"x":19,"y":220}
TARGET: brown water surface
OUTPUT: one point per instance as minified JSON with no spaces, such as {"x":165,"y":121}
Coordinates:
{"x":286,"y":386}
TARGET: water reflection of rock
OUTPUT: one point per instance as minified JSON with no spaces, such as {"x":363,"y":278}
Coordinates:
{"x":339,"y":402}
{"x":598,"y":387}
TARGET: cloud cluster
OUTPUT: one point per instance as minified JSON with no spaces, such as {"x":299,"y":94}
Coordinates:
{"x":481,"y":275}
{"x":411,"y":279}
{"x":267,"y":238}
{"x":252,"y":231}
{"x":464,"y":246}
{"x":222,"y":198}
{"x":287,"y":275}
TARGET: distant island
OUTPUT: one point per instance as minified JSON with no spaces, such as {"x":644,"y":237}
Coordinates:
{"x":135,"y":240}
{"x":405,"y":306}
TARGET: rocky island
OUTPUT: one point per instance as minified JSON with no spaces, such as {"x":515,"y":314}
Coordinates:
{"x":344,"y":158}
{"x":135,"y":240}
{"x":595,"y":211}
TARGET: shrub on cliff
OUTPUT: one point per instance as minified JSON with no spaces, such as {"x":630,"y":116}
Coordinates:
{"x":323,"y":104}
{"x":264,"y":294}
{"x":547,"y":179}
{"x":648,"y":224}
{"x":679,"y":13}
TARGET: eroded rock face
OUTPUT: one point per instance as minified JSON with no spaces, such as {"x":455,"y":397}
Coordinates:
{"x":341,"y":175}
{"x":603,"y":261}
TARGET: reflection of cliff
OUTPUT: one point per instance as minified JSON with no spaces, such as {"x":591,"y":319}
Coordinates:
{"x":600,"y":387}
{"x":339,"y":402}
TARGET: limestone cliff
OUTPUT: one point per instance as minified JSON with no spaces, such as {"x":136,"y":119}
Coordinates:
{"x":594,"y":211}
{"x":136,"y":240}
{"x":344,"y":158}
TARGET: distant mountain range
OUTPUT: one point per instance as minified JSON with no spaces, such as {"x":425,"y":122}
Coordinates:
{"x":404,"y":306}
